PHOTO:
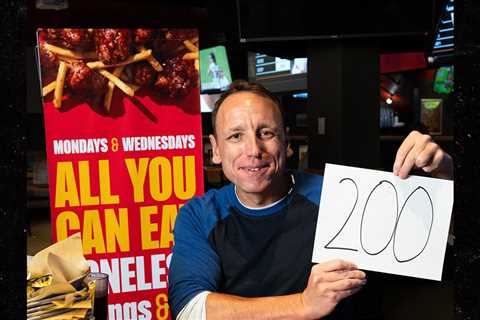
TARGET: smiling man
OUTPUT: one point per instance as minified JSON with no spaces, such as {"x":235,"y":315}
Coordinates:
{"x":244,"y":251}
{"x":249,"y":142}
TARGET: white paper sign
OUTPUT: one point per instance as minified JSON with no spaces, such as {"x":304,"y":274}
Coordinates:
{"x":383,"y":223}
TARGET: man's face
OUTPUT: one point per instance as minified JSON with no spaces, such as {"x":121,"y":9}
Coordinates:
{"x":250,"y":144}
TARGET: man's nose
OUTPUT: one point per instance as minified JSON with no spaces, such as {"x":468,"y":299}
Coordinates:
{"x":253,"y":147}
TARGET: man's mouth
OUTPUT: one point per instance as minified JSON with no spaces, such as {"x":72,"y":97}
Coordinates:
{"x":254,"y":169}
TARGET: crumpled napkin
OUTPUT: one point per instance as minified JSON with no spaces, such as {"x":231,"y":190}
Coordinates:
{"x":64,"y":260}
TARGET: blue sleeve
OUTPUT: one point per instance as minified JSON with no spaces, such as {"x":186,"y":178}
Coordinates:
{"x":309,"y":185}
{"x":195,"y":266}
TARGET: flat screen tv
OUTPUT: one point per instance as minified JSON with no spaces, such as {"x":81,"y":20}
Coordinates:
{"x":443,"y":82}
{"x":271,"y":20}
{"x":278,"y":74}
{"x":214,"y":70}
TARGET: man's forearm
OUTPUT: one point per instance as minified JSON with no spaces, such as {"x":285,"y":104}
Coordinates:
{"x":224,"y":306}
{"x":329,"y":283}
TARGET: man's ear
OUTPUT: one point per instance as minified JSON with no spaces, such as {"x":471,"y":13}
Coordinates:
{"x":289,"y":151}
{"x":215,"y":152}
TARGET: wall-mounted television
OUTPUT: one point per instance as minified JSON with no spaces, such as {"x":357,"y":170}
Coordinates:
{"x":215,"y":73}
{"x":278,"y":74}
{"x":443,"y":82}
{"x":269,"y":20}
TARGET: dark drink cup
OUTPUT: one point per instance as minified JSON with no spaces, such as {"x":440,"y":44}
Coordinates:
{"x":100,"y":308}
{"x":100,"y":304}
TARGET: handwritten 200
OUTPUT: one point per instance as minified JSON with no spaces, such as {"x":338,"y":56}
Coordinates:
{"x":398,"y":217}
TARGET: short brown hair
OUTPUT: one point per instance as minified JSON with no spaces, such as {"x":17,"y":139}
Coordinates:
{"x":244,"y":86}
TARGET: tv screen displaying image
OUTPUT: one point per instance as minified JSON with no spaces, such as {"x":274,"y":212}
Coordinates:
{"x":443,"y":82}
{"x":267,"y":66}
{"x":278,"y":74}
{"x":214,"y":70}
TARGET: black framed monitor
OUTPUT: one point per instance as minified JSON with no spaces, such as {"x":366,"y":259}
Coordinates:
{"x":278,"y":74}
{"x":260,"y":21}
{"x":215,"y":73}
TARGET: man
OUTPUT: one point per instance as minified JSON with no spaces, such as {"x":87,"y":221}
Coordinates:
{"x":244,"y":251}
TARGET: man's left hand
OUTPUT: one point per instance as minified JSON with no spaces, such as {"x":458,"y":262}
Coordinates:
{"x":419,"y":151}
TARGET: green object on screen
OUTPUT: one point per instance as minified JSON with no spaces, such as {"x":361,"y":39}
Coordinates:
{"x":443,"y":82}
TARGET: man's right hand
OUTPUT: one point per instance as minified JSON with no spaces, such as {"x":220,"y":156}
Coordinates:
{"x":328,"y":284}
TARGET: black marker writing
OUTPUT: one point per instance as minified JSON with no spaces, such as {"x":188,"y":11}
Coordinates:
{"x":363,"y":216}
{"x":327,"y":246}
{"x":398,"y":216}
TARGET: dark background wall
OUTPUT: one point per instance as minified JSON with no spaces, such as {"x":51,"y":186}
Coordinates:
{"x":12,"y":161}
{"x":467,"y":163}
{"x":343,"y":82}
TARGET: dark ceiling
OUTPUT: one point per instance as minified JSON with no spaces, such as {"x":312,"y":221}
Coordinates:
{"x":216,"y":21}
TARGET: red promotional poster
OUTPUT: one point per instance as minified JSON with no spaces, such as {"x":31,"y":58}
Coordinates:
{"x":124,"y":151}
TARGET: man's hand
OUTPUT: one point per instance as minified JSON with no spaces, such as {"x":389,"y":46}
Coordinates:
{"x":419,"y":151}
{"x":329,"y":283}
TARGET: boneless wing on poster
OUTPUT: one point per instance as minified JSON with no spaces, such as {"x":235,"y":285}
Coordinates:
{"x":89,"y":64}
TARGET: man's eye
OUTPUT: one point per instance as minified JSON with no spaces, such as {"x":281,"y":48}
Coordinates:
{"x":234,"y":137}
{"x":267,"y":134}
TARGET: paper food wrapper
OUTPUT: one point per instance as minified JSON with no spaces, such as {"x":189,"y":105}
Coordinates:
{"x":64,"y":260}
{"x":55,"y":282}
{"x":77,"y":305}
{"x":59,"y":269}
{"x":71,"y":315}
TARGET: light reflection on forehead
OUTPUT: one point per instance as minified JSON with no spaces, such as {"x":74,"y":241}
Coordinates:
{"x":245,"y":110}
